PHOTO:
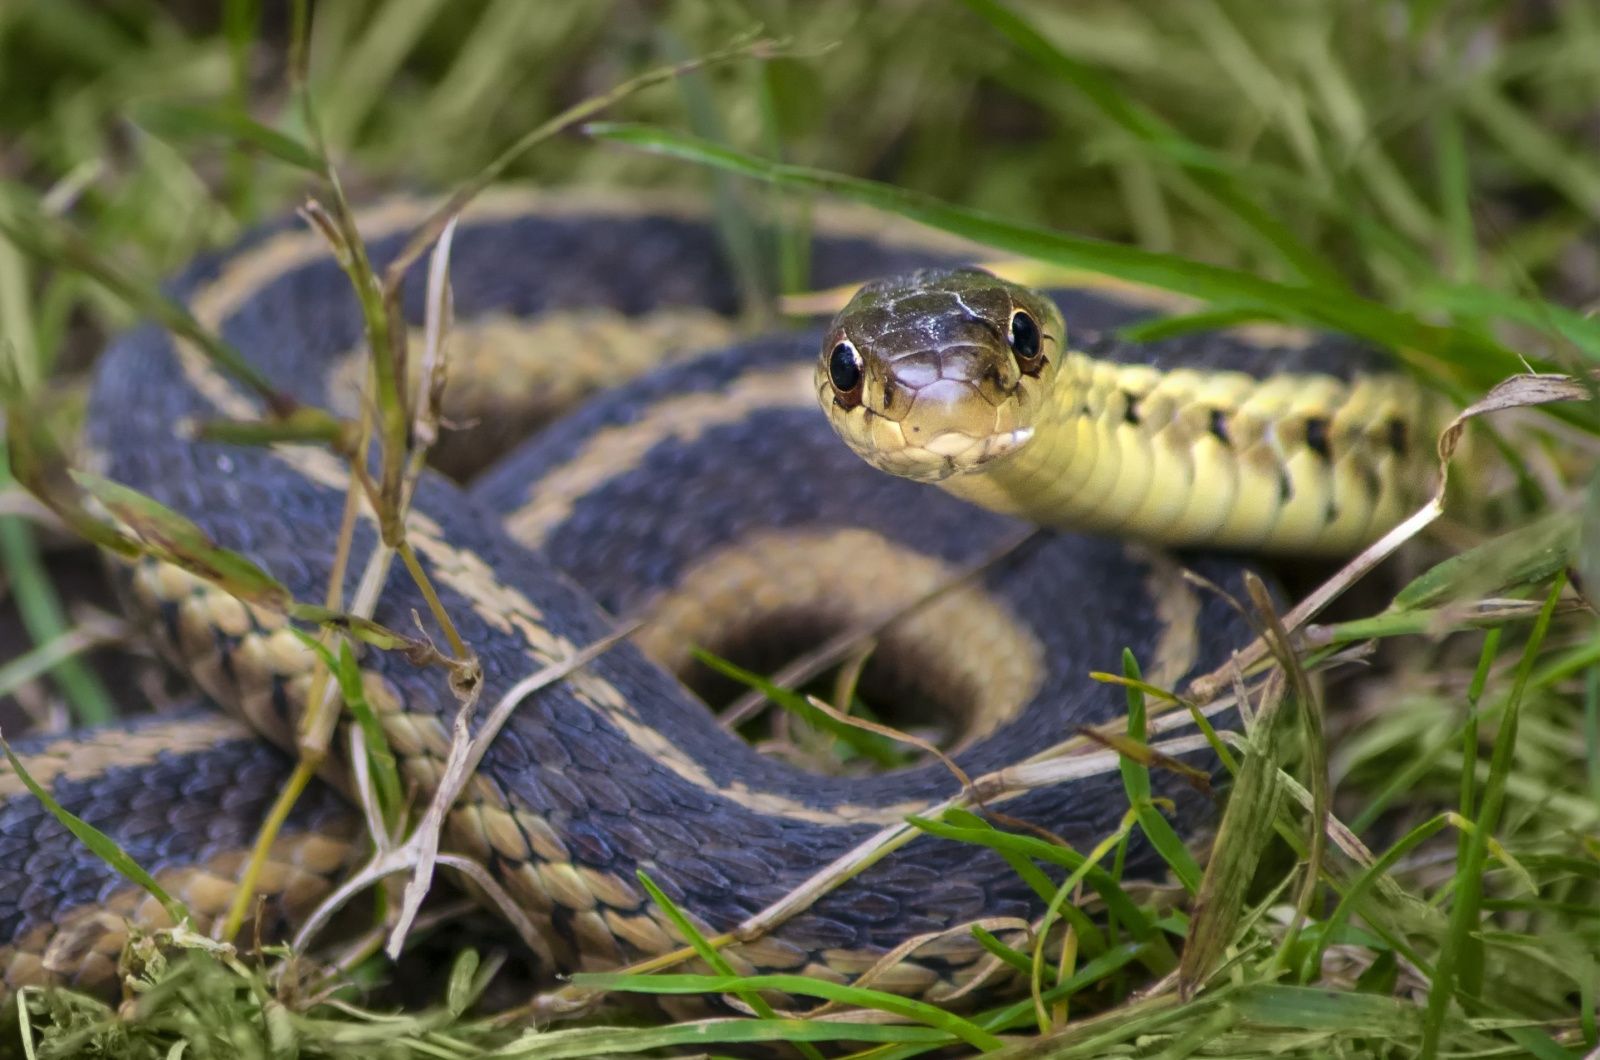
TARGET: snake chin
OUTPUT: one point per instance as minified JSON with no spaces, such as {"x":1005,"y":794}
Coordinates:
{"x":944,"y":456}
{"x":962,"y":453}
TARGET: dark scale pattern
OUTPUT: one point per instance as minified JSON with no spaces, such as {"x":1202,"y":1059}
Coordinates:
{"x":1093,"y":318}
{"x":614,"y":807}
{"x":180,"y":809}
{"x":1334,"y":355}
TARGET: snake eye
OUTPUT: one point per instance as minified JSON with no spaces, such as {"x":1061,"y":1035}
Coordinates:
{"x":1025,"y":341}
{"x":845,"y":373}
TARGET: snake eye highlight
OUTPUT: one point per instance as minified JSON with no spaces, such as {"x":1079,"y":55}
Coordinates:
{"x":845,"y":372}
{"x":1025,"y":340}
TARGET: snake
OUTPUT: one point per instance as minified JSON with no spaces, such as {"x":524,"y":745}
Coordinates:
{"x":695,"y":490}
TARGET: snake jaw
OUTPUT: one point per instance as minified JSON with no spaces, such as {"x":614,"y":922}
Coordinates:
{"x":887,"y":444}
{"x":1002,"y":445}
{"x":958,"y":454}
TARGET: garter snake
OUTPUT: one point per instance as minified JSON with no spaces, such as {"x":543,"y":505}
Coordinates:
{"x":708,"y":498}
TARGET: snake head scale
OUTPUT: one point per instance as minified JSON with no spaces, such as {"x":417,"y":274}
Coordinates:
{"x":939,"y":372}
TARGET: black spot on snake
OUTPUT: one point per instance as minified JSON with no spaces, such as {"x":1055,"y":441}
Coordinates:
{"x":1130,"y":410}
{"x":1317,"y":436}
{"x":1219,"y":426}
{"x":1398,"y":440}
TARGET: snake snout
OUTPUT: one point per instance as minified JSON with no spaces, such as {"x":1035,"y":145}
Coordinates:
{"x":944,"y":411}
{"x":960,"y":394}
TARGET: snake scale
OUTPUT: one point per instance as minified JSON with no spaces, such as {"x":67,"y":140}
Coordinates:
{"x":710,"y":498}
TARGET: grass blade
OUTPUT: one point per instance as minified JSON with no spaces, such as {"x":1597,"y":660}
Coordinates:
{"x":1141,"y":123}
{"x":584,"y":1042}
{"x":104,"y":847}
{"x":709,"y":954}
{"x":878,"y":748}
{"x":920,"y":1011}
{"x":1230,"y":287}
{"x":1116,"y":899}
{"x":177,"y":121}
{"x":1459,"y":959}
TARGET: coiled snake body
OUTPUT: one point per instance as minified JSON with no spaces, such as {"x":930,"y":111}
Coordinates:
{"x":710,"y":499}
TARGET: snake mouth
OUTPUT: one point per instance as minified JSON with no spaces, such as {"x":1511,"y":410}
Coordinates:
{"x":953,"y":453}
{"x":912,"y":451}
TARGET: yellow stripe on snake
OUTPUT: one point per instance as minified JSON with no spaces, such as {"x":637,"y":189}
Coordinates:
{"x":709,"y":499}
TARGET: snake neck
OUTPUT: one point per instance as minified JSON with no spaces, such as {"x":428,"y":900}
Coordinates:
{"x":1304,"y":463}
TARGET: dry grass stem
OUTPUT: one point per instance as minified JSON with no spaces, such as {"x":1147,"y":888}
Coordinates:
{"x":1517,"y":392}
{"x":925,"y":746}
{"x":466,"y":752}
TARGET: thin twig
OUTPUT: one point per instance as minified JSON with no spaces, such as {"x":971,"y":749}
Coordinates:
{"x":420,"y":852}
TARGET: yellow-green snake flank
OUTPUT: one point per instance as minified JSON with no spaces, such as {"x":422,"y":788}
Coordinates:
{"x":957,"y":377}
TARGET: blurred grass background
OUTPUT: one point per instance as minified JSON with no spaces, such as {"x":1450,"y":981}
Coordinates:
{"x":1376,"y":136}
{"x":1440,"y":157}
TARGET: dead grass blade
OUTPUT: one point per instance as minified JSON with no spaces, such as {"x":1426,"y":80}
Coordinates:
{"x":1522,"y":391}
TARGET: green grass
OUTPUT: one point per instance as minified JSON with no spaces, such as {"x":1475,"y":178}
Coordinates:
{"x":1428,"y":177}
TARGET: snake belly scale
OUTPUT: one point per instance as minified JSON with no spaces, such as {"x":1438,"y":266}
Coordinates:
{"x":672,"y":498}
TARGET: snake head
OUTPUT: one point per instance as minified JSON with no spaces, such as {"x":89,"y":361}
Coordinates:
{"x":939,"y":372}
